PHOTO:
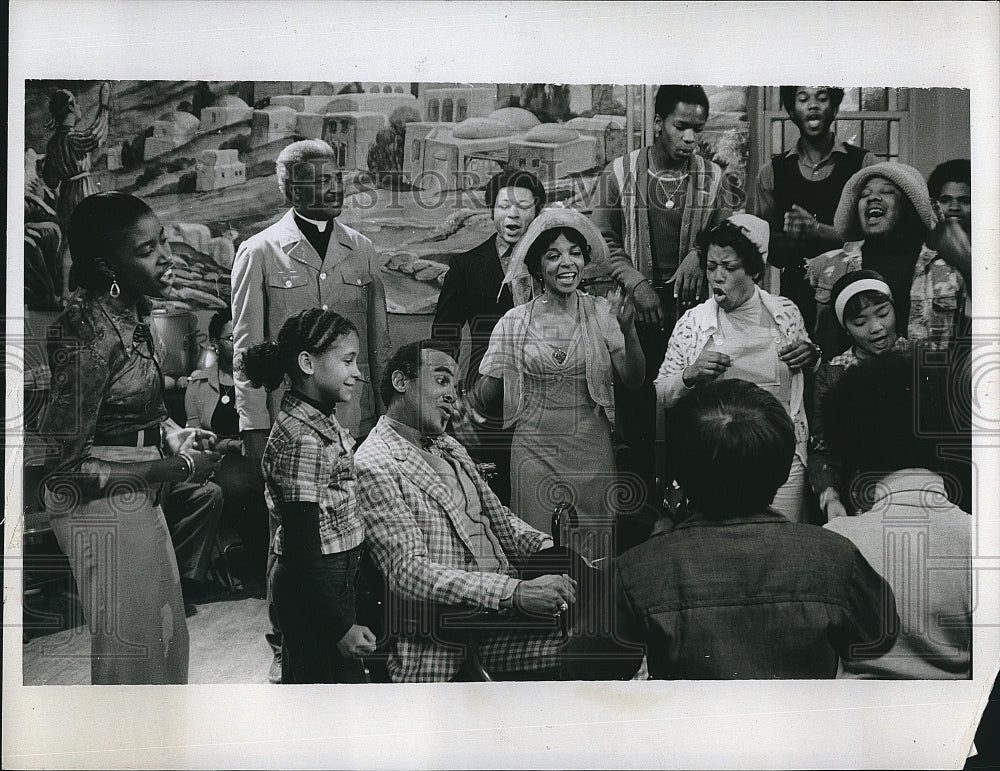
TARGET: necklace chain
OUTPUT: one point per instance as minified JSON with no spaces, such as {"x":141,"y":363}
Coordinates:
{"x":661,"y":178}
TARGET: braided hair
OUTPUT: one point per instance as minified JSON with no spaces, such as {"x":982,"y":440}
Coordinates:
{"x":314,"y":331}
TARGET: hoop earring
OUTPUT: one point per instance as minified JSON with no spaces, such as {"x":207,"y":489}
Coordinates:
{"x":115,"y":290}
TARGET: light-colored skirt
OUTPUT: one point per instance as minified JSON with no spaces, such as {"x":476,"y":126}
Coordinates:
{"x":123,"y":561}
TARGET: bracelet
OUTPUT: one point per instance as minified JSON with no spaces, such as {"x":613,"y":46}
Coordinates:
{"x":644,"y":281}
{"x":189,"y":465}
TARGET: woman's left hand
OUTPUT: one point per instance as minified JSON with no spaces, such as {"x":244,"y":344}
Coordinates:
{"x":800,"y":354}
{"x":624,"y":308}
{"x":190,"y":439}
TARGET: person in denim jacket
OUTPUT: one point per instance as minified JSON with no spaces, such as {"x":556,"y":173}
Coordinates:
{"x":736,"y":591}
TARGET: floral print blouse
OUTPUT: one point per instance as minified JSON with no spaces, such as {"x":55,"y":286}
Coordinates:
{"x":106,"y":381}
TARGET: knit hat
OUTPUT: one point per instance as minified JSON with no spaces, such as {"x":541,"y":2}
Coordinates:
{"x":757,"y":231}
{"x":906,"y":178}
{"x":851,"y":284}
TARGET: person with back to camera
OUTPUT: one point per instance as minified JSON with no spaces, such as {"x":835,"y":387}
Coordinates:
{"x":862,"y":302}
{"x":885,"y":419}
{"x":107,"y":424}
{"x":309,"y":479}
{"x":552,"y":358}
{"x":744,"y":332}
{"x":736,"y":591}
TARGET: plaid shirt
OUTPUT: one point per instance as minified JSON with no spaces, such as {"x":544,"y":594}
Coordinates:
{"x":308,"y":459}
{"x":418,"y":537}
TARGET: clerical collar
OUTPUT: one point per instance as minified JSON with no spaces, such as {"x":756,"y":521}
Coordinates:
{"x":326,"y":409}
{"x":320,"y":225}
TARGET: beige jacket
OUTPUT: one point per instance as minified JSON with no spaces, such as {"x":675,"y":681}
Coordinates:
{"x":276,"y":274}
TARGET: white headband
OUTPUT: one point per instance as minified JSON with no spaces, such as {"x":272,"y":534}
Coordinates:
{"x":849,"y":291}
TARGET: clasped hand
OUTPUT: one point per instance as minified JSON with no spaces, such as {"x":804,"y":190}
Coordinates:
{"x":359,"y":641}
{"x":799,"y":222}
{"x":547,"y":595}
{"x":800,"y":354}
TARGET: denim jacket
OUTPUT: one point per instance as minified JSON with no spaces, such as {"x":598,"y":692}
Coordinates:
{"x":756,"y":597}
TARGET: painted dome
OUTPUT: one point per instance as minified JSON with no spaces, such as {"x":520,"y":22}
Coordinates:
{"x":551,"y":134}
{"x":231,"y":101}
{"x":517,"y":118}
{"x":480,"y":128}
{"x":182,"y":119}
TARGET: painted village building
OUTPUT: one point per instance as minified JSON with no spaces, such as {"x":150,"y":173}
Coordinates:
{"x":351,"y":135}
{"x":170,"y":130}
{"x":303,"y":103}
{"x":551,"y":151}
{"x":386,"y":88}
{"x":384,"y":104}
{"x":463,"y":157}
{"x":454,"y":104}
{"x":309,"y":125}
{"x":270,"y":124}
{"x":217,"y":169}
{"x":226,"y":111}
{"x":413,"y":145}
{"x":608,"y":130}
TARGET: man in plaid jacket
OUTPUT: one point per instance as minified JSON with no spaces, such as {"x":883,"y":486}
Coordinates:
{"x":444,"y":541}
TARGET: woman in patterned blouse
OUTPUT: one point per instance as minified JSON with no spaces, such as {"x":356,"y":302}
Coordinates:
{"x":745,"y":333}
{"x":106,"y":425}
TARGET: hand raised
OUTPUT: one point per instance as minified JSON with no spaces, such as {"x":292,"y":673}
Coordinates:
{"x":707,"y":367}
{"x":799,"y":222}
{"x":624,"y":306}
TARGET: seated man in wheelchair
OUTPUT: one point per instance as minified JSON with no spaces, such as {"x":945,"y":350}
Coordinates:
{"x":465,"y":579}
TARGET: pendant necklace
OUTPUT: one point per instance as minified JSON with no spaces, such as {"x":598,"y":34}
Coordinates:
{"x":669,"y":203}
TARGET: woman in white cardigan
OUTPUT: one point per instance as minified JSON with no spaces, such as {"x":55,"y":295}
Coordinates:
{"x":743,"y":332}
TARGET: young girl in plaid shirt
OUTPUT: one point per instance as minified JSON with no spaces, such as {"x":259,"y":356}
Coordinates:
{"x":309,"y":478}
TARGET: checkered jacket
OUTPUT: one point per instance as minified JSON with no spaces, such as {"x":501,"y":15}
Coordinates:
{"x":418,"y":538}
{"x":308,"y":459}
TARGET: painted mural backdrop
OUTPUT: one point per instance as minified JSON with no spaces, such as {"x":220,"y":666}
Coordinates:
{"x":416,"y":156}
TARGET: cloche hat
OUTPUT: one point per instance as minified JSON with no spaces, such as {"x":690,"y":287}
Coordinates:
{"x":906,"y":178}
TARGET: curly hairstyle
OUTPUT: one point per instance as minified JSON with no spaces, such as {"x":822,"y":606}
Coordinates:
{"x":788,"y":93}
